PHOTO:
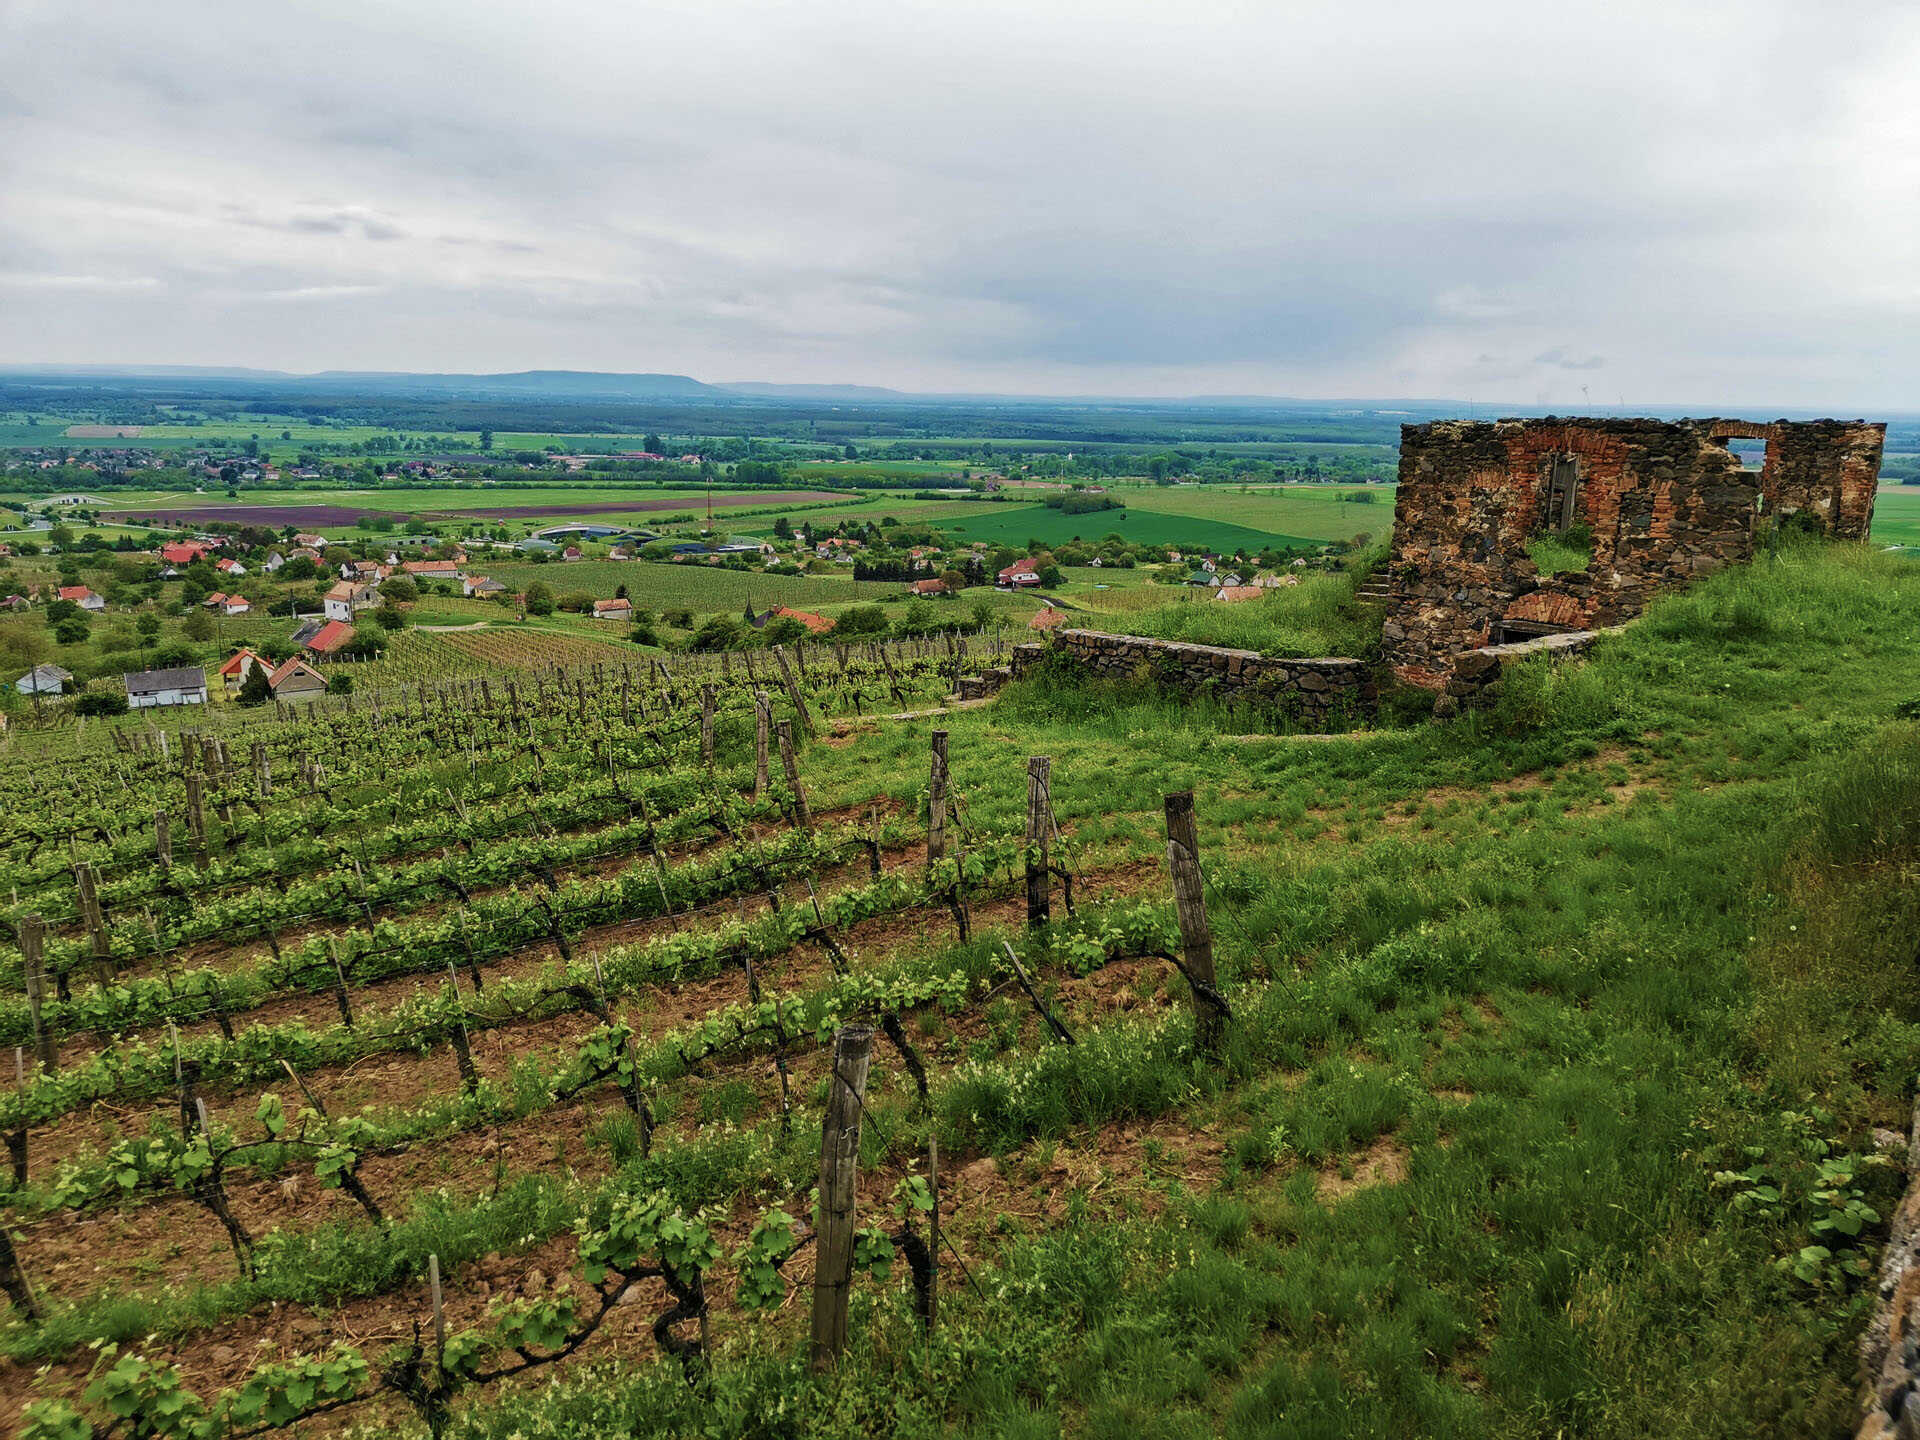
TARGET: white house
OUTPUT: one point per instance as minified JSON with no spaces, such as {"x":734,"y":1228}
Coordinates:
{"x":184,"y":686}
{"x":273,"y":562}
{"x":346,"y":599}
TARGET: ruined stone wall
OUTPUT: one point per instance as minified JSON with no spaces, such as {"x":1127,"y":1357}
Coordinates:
{"x":1665,"y":503}
{"x":1314,"y":689}
{"x":1827,"y":468}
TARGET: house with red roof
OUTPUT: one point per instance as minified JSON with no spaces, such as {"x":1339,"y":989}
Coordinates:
{"x":328,"y":639}
{"x":239,"y":666}
{"x":237,"y":605}
{"x":1048,"y":619}
{"x":296,"y":680}
{"x":1232,"y":594}
{"x":619,"y":608}
{"x":931,"y":587}
{"x":816,"y":624}
{"x":229,"y":566}
{"x":82,"y":596}
{"x":1022,"y":573}
{"x":433,"y":570}
{"x":183,"y":552}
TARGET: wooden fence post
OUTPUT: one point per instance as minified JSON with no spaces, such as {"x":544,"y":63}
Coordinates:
{"x":762,"y":717}
{"x":262,"y":770}
{"x":90,"y":914}
{"x":1196,"y":939}
{"x":33,"y":938}
{"x":839,"y":1184}
{"x":706,"y":726}
{"x":163,"y":838}
{"x":937,"y":800}
{"x":196,"y":811}
{"x":1038,"y":768}
{"x":793,"y":690}
{"x":802,"y":815}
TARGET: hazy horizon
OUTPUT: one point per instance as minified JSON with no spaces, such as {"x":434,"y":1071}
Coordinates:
{"x":1600,"y":206}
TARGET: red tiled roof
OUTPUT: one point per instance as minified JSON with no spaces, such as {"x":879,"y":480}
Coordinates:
{"x":1048,"y":620}
{"x":1239,"y":592}
{"x":816,"y":624}
{"x":75,"y":592}
{"x":330,"y":637}
{"x":238,"y":662}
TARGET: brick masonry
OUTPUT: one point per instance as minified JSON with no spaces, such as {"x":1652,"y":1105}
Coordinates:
{"x":1473,"y":674}
{"x":1665,"y":502}
{"x":1315,"y":690}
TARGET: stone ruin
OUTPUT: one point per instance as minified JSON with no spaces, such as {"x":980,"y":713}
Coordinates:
{"x":1665,"y":503}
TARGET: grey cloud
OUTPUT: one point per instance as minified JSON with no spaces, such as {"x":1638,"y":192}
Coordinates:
{"x":1312,"y":199}
{"x":1559,"y":358}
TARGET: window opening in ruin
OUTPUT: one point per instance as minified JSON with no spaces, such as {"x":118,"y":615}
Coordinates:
{"x":1563,"y":486}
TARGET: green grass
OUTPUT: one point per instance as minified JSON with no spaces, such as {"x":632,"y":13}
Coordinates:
{"x":1896,"y":515}
{"x":1647,"y":921}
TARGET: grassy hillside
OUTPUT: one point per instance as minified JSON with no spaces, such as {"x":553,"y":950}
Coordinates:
{"x":1511,"y":997}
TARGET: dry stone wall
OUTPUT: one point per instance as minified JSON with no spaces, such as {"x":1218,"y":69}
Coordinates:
{"x":1317,"y":690}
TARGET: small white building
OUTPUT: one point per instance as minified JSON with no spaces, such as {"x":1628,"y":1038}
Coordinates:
{"x":186,"y":685}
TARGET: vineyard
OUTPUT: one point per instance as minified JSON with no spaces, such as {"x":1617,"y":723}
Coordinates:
{"x":268,"y":978}
{"x":548,"y":1041}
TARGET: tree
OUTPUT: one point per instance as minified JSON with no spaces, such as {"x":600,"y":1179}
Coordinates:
{"x":486,"y":439}
{"x":341,"y":684}
{"x":149,"y":627}
{"x":71,"y":631}
{"x":61,"y":535}
{"x":863,"y":620}
{"x":783,"y":528}
{"x":654,"y":445}
{"x":390,"y":616}
{"x":199,"y":626}
{"x":619,"y":592}
{"x":255,"y":690}
{"x":1050,"y":576}
{"x":785,"y":630}
{"x":101,"y":702}
{"x":399,"y":588}
{"x":720,"y":632}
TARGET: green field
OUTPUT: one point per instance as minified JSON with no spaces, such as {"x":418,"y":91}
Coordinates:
{"x":1896,"y":515}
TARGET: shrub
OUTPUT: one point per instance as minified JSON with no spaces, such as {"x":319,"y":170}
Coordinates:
{"x":100,"y":702}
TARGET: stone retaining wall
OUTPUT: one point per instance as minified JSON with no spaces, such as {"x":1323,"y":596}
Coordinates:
{"x":1313,"y":689}
{"x":1475,"y":672}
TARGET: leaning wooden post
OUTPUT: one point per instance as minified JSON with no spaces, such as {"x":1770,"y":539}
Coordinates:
{"x":1196,"y":939}
{"x":762,"y":717}
{"x":90,"y":914}
{"x":793,"y":690}
{"x":163,"y":838}
{"x":33,"y":939}
{"x":196,"y":810}
{"x":262,"y":769}
{"x":1038,"y":768}
{"x":802,"y":816}
{"x":937,"y":800}
{"x":933,"y":1243}
{"x":706,"y":726}
{"x":839,"y":1185}
{"x":13,"y":1279}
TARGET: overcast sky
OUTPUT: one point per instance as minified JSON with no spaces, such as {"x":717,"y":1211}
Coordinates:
{"x":1661,"y":203}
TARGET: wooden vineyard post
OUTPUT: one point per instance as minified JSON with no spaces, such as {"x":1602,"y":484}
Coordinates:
{"x":762,"y":717}
{"x":33,"y":940}
{"x":196,"y":812}
{"x":937,"y":800}
{"x":340,"y":983}
{"x":793,"y":690}
{"x":803,"y":817}
{"x":91,"y":916}
{"x":262,"y":771}
{"x":933,"y":1223}
{"x":163,"y":839}
{"x":17,"y":1137}
{"x":439,"y":1312}
{"x":706,"y":726}
{"x":1196,"y":939}
{"x":13,"y":1279}
{"x":839,"y":1182}
{"x":1038,"y":768}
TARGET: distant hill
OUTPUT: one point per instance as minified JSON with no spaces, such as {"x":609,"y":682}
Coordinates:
{"x":767,"y":390}
{"x":586,"y":383}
